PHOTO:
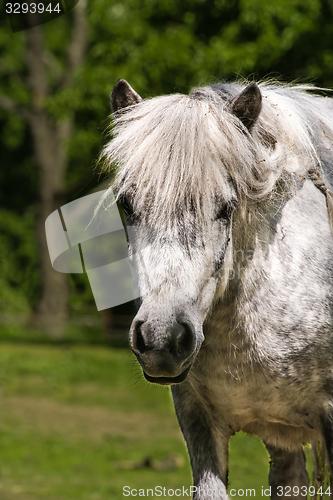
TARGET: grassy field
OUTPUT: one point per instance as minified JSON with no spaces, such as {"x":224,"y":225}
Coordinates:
{"x":79,"y":422}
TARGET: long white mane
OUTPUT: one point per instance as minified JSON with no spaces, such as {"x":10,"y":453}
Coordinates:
{"x":175,"y":151}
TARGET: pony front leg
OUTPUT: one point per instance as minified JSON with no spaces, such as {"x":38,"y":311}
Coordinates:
{"x":208,"y":449}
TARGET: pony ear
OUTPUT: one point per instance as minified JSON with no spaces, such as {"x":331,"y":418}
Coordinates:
{"x":247,"y":105}
{"x":123,"y":95}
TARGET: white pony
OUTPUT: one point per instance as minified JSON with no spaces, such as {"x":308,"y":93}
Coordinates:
{"x":226,"y":189}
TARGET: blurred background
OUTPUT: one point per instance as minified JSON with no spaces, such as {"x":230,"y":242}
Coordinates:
{"x":76,"y":418}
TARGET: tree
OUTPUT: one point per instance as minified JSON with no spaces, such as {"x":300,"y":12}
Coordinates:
{"x":51,"y":139}
{"x":50,"y":136}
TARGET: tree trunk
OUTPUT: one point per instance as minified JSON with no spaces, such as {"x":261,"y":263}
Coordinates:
{"x":51,"y":158}
{"x":52,"y":311}
{"x":50,"y":139}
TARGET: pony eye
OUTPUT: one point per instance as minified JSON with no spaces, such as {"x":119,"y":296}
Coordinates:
{"x":224,"y":212}
{"x":126,"y":206}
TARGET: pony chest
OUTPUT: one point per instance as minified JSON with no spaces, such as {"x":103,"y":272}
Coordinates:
{"x":262,"y":411}
{"x":279,"y":418}
{"x":244,"y":401}
{"x":256,"y":403}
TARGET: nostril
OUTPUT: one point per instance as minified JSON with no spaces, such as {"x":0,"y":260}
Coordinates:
{"x":138,"y":342}
{"x":187,"y":338}
{"x":142,"y":338}
{"x":183,"y":341}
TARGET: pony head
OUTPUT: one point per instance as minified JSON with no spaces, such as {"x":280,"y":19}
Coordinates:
{"x":185,"y":166}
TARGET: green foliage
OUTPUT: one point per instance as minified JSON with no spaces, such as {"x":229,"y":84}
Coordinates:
{"x":17,"y":261}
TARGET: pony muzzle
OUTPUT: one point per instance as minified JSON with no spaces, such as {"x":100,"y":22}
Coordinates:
{"x":165,"y":356}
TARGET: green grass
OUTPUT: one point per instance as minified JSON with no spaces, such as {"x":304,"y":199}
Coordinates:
{"x":78,"y":422}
